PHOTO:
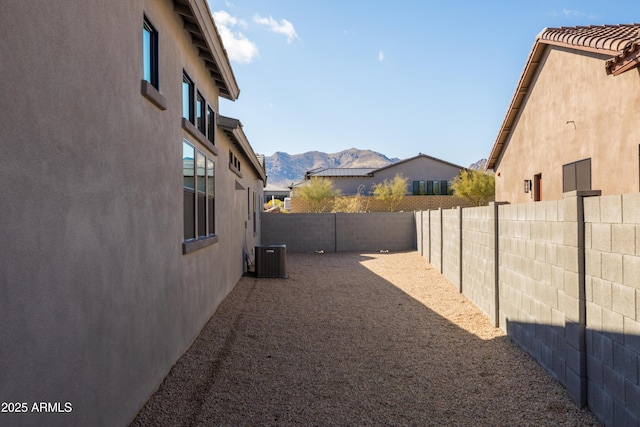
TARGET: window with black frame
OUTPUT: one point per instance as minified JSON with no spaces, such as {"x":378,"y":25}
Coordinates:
{"x":150,"y":69}
{"x":199,"y":193}
{"x":201,"y":114}
{"x":187,"y":98}
{"x":211,"y":124}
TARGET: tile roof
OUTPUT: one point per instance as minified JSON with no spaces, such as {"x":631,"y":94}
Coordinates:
{"x":610,"y":38}
{"x":620,"y":42}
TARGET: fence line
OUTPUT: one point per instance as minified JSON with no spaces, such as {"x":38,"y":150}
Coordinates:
{"x":562,"y":278}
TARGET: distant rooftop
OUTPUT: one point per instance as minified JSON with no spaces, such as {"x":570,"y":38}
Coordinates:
{"x":344,"y":172}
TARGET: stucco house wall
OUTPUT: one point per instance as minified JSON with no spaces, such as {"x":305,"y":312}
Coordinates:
{"x":97,"y":299}
{"x":573,"y":110}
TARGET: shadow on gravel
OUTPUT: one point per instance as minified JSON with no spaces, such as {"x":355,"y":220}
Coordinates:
{"x":337,"y":344}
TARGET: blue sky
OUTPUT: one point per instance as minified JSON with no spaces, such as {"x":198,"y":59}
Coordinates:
{"x":399,"y":77}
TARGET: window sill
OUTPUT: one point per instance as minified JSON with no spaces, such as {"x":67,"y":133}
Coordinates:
{"x":235,"y":170}
{"x":193,"y":245}
{"x":199,"y":136}
{"x":152,"y":94}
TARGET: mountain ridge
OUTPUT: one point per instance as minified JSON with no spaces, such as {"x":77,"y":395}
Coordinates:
{"x":284,"y":169}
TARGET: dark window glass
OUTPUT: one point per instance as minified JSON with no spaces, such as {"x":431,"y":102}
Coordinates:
{"x":150,"y":54}
{"x":188,"y":167}
{"x":201,"y":184}
{"x":211,"y":192}
{"x":199,"y":193}
{"x":187,"y":98}
{"x":201,"y":114}
{"x":211,"y":125}
{"x":443,"y":188}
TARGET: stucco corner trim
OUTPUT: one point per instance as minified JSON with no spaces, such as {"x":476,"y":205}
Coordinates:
{"x":199,"y":136}
{"x":194,"y":245}
{"x":152,"y":94}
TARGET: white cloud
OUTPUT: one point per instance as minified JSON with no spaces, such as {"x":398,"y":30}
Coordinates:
{"x":239,"y":48}
{"x":223,"y":18}
{"x":380,"y":56}
{"x":567,"y":13}
{"x":283,"y":27}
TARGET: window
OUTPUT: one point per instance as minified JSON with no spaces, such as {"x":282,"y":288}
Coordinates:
{"x":576,"y":176}
{"x":234,"y":163}
{"x":187,"y":98}
{"x":255,"y":203}
{"x":150,"y":54}
{"x":419,"y":188}
{"x":211,"y":124}
{"x":201,"y":117}
{"x":199,"y":193}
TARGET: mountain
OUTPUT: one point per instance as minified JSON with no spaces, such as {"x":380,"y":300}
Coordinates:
{"x":479,"y":165}
{"x":284,"y":169}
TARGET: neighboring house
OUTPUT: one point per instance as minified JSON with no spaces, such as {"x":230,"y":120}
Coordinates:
{"x":122,"y":226}
{"x":572,"y":121}
{"x":274,"y":192}
{"x":426,"y":175}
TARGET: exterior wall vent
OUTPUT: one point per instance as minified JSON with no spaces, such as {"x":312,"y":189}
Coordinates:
{"x":271,"y":261}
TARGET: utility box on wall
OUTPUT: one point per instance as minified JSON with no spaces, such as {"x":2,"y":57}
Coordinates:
{"x":271,"y":261}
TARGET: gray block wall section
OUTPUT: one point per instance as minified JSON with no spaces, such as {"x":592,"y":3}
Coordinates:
{"x":612,"y":282}
{"x":435,"y":239}
{"x":341,"y":232}
{"x":566,"y":287}
{"x":451,"y":246}
{"x":478,"y":253}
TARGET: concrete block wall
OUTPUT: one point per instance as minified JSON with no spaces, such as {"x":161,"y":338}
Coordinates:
{"x":478,"y":254}
{"x":451,"y":246}
{"x":341,"y":232}
{"x":375,"y":231}
{"x":612,"y":282}
{"x":300,"y":232}
{"x":539,"y":286}
{"x":566,"y":290}
{"x":435,"y":238}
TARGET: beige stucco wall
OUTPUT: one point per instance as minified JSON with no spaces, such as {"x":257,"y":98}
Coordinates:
{"x":97,"y":300}
{"x":574,"y":111}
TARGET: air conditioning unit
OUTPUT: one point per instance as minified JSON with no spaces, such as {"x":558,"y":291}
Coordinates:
{"x":271,"y":261}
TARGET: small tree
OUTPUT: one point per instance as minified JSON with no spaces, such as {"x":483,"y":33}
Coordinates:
{"x":391,"y":193}
{"x":477,"y":187}
{"x":319,"y":194}
{"x":352,"y":204}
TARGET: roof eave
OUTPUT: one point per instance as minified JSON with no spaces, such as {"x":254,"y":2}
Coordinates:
{"x":233,"y":129}
{"x":629,"y":60}
{"x":207,"y":40}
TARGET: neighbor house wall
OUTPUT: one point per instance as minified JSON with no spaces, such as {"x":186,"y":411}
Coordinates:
{"x":98,"y":300}
{"x":574,"y":111}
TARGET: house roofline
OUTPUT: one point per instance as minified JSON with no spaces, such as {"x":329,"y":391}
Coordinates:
{"x":233,"y":129}
{"x":563,"y":37}
{"x":413,"y":158}
{"x":198,"y":22}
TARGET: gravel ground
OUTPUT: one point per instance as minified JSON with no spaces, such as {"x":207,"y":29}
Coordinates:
{"x":356,"y":339}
